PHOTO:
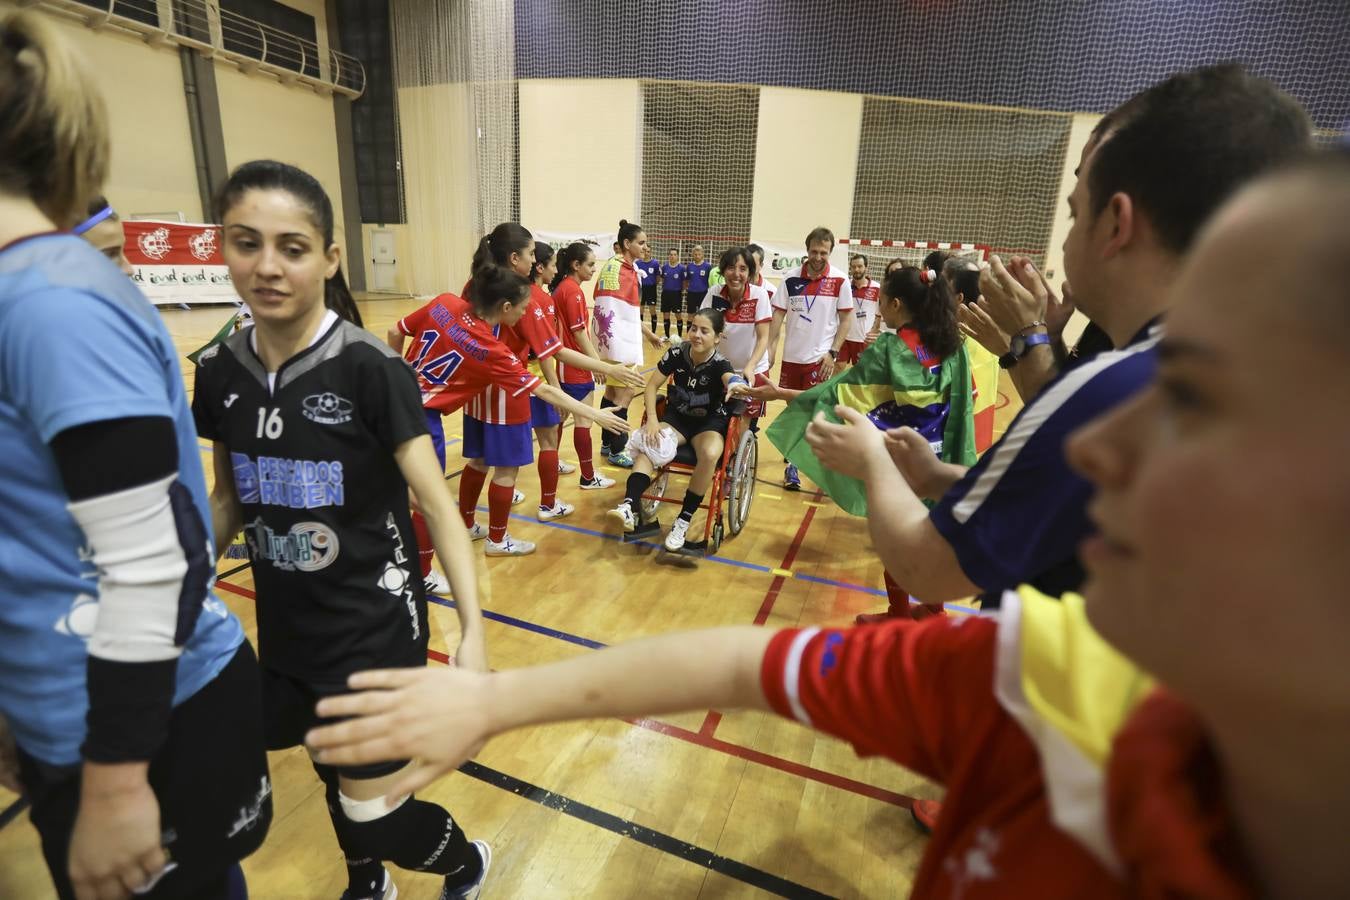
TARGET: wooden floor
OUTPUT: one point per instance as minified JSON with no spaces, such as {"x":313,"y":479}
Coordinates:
{"x":699,"y":805}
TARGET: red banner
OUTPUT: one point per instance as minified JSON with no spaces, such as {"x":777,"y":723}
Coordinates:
{"x":174,"y":262}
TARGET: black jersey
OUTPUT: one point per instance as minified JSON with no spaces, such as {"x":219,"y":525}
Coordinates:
{"x":325,"y":506}
{"x":696,"y":390}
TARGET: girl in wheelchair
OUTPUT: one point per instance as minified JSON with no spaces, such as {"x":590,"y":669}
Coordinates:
{"x":702,"y":381}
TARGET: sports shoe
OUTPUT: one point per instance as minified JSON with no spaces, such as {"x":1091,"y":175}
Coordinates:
{"x":517,"y":498}
{"x":792,"y":479}
{"x":565,"y":468}
{"x":877,"y":618}
{"x":598,"y":483}
{"x":477,"y":532}
{"x":385,"y":891}
{"x":559,"y":510}
{"x":471,"y":891}
{"x":925,"y":814}
{"x":508,"y":546}
{"x":623,"y":514}
{"x":436,"y":584}
{"x":675,"y":539}
{"x":620,"y":459}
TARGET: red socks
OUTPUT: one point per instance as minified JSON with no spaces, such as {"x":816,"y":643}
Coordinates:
{"x":581,"y":439}
{"x":499,"y":509}
{"x":424,"y":548}
{"x":470,"y":489}
{"x":548,"y":478}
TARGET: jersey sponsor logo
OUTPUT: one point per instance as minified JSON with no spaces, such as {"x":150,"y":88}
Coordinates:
{"x":229,"y":401}
{"x":155,"y":244}
{"x":326,"y":408}
{"x":397,"y":580}
{"x":307,"y":547}
{"x":80,"y":619}
{"x":292,"y":483}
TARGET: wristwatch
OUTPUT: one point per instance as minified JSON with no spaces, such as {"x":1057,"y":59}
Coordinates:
{"x":1018,"y":347}
{"x":834,"y":354}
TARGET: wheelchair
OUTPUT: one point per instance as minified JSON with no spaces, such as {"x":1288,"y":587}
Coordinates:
{"x":729,"y":497}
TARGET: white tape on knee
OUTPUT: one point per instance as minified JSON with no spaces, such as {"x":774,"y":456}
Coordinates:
{"x":367,"y":810}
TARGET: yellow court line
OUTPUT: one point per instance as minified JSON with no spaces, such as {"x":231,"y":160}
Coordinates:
{"x":785,"y":573}
{"x":771,"y":496}
{"x":814,"y":503}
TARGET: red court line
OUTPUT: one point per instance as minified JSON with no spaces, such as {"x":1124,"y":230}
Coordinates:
{"x":710,"y":723}
{"x":709,"y":742}
{"x":771,"y":596}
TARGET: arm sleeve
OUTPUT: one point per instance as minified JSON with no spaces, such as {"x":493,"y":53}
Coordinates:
{"x":571,"y":314}
{"x":391,"y":404}
{"x":915,"y":692}
{"x":763,"y":308}
{"x":205,"y":399}
{"x":845,"y":301}
{"x":506,"y":372}
{"x":537,"y":331}
{"x":1021,"y":511}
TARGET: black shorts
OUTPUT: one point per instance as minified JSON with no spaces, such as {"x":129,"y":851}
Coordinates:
{"x":693,"y":300}
{"x":649,"y":295}
{"x":671,"y":301}
{"x":690,"y":426}
{"x":288,"y":713}
{"x":210,"y":778}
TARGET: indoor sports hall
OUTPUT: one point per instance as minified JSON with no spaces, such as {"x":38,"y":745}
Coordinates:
{"x":939,"y":134}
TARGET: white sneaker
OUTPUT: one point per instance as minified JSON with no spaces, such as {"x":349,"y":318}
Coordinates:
{"x":565,"y":468}
{"x":437,"y":584}
{"x":559,"y":510}
{"x":472,"y":891}
{"x":598,"y":483}
{"x":675,"y":539}
{"x":509,"y":546}
{"x":517,"y":498}
{"x":384,"y":891}
{"x":477,"y":532}
{"x":623,"y":514}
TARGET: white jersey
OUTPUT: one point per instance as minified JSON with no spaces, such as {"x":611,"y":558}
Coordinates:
{"x":866,"y":301}
{"x":738,"y":338}
{"x":812,"y":306}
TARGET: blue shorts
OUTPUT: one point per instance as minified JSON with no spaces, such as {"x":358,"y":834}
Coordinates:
{"x":437,"y":429}
{"x":498,"y":445}
{"x":542,"y":414}
{"x":579,"y":391}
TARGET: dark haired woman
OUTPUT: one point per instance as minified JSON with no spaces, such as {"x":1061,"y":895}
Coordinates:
{"x":128,"y":694}
{"x":319,"y":433}
{"x":701,"y":382}
{"x":619,"y":329}
{"x":747,"y":312}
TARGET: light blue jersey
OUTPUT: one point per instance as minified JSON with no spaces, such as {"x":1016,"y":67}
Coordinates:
{"x":78,"y":344}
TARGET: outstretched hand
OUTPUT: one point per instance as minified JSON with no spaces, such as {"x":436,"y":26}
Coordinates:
{"x":1015,"y":297}
{"x":628,"y":376}
{"x":435,"y":717}
{"x":976,"y":323}
{"x":610,"y":422}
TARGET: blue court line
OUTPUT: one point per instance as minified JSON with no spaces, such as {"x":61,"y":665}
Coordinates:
{"x":12,"y":811}
{"x":722,"y":560}
{"x":521,"y":623}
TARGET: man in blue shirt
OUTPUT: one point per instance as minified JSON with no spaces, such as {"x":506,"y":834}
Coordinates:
{"x":672,"y":291}
{"x":1018,"y":515}
{"x":649,"y":272}
{"x":696,"y":283}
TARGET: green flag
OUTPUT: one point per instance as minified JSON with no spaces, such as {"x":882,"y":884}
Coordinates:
{"x":221,"y":335}
{"x":892,"y":387}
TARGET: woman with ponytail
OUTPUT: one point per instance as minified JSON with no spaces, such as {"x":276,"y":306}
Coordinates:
{"x":923,"y":351}
{"x":619,"y":329}
{"x":128,"y":693}
{"x":319,"y":434}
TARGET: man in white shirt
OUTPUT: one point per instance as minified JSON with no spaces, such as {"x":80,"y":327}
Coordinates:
{"x":816,"y":303}
{"x":866,"y":299}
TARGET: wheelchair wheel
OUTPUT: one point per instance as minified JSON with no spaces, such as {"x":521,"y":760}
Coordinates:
{"x":714,"y":539}
{"x":743,"y":469}
{"x":657,"y":489}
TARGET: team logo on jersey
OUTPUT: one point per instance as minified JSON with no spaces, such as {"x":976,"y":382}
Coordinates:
{"x":229,"y":401}
{"x":155,"y":244}
{"x":202,"y":245}
{"x":327,"y":408}
{"x":80,"y":619}
{"x":307,"y":547}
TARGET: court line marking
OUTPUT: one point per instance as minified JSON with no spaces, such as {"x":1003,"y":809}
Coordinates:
{"x":721,"y":560}
{"x":692,"y":737}
{"x":13,"y":811}
{"x":657,"y":840}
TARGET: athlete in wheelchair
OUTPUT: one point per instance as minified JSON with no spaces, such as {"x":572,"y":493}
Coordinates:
{"x":698,"y":414}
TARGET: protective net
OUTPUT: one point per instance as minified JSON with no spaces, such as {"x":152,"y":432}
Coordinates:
{"x":965,"y":122}
{"x":455,"y":77}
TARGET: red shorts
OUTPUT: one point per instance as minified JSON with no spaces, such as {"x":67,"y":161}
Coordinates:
{"x":850,"y":352}
{"x":799,"y":376}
